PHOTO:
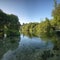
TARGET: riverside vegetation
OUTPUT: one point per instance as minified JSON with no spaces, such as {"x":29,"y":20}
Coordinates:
{"x":48,"y":26}
{"x":9,"y":24}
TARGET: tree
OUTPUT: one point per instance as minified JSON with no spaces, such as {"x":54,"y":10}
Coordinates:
{"x":56,"y":16}
{"x":9,"y":23}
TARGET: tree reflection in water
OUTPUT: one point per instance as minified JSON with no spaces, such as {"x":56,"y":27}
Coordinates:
{"x":30,"y":52}
{"x":8,"y":43}
{"x":52,"y":54}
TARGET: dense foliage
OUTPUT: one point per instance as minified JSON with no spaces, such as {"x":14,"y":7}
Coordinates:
{"x":9,"y":24}
{"x":37,"y":28}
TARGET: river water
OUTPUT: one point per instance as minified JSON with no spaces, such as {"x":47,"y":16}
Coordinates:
{"x":26,"y":48}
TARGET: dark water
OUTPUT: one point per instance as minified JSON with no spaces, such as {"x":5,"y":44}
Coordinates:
{"x":29,"y":48}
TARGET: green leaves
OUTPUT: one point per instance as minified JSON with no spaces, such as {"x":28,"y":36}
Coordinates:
{"x":9,"y":22}
{"x":37,"y":28}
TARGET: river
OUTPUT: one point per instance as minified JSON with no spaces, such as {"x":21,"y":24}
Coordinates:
{"x":26,"y":48}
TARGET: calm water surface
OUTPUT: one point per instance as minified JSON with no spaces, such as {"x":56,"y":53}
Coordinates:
{"x":26,"y":48}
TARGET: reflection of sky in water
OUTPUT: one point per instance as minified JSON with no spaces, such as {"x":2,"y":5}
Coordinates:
{"x":27,"y":46}
{"x":34,"y":42}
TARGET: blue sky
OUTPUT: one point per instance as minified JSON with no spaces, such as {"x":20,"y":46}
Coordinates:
{"x":28,"y":10}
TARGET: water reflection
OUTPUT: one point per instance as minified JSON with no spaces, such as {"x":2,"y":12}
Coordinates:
{"x":9,"y":43}
{"x":30,"y":47}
